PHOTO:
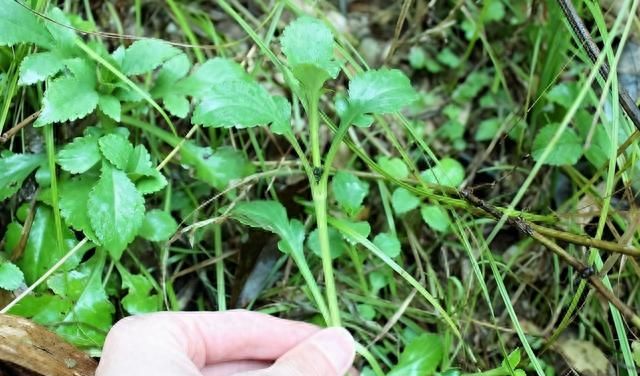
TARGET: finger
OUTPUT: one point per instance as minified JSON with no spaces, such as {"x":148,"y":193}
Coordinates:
{"x":329,"y":352}
{"x":200,"y":338}
{"x":234,"y":367}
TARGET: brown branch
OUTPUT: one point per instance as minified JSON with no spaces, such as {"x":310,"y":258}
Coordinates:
{"x":593,"y":52}
{"x":13,"y":131}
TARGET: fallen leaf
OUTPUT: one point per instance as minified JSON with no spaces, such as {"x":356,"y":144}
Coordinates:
{"x":585,"y":358}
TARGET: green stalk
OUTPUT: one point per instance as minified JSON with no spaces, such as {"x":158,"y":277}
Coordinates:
{"x":51,"y":158}
{"x":217,"y":240}
{"x":314,"y":128}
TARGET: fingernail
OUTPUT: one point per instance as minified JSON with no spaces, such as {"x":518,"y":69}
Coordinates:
{"x":338,"y":345}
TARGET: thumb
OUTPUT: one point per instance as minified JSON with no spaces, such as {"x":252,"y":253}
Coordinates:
{"x":330,"y":352}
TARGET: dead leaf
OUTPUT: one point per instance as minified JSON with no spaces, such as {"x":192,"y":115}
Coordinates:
{"x":585,"y":358}
{"x":27,"y":349}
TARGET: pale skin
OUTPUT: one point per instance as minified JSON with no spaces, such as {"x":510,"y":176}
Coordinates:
{"x":236,"y":342}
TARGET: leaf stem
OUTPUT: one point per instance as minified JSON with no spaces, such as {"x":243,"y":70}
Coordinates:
{"x":314,"y":128}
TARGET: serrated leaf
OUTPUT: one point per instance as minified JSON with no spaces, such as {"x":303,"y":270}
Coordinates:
{"x":19,"y":25}
{"x":70,"y":97}
{"x":139,"y":163}
{"x":394,"y":167}
{"x":110,"y":106}
{"x":362,"y":228}
{"x":146,"y":55}
{"x":337,"y":244}
{"x":60,"y":29}
{"x":40,"y":66}
{"x":173,"y":70}
{"x":239,"y":104}
{"x":14,"y":169}
{"x":436,"y":217}
{"x":218,"y":167}
{"x":567,"y":151}
{"x":90,"y":316}
{"x":349,"y":191}
{"x":116,"y":210}
{"x":151,"y":183}
{"x":208,"y":75}
{"x":421,"y":356}
{"x":380,"y":91}
{"x":388,"y":243}
{"x":177,"y":105}
{"x":448,"y":172}
{"x":282,"y":121}
{"x":403,"y":201}
{"x":74,"y":196}
{"x":271,"y":216}
{"x":158,"y":225}
{"x":138,"y":300}
{"x":11,"y":276}
{"x":308,"y":45}
{"x":42,"y":251}
{"x":79,"y":155}
{"x":45,"y":309}
{"x":116,"y":149}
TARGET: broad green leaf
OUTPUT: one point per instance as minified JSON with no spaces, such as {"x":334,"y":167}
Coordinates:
{"x":42,"y":251}
{"x":388,"y":243}
{"x":362,"y":228}
{"x":116,"y":210}
{"x":487,"y":129}
{"x":378,"y":281}
{"x":44,"y":309}
{"x":349,"y":191}
{"x":417,"y":57}
{"x":40,"y":66}
{"x":210,"y":74}
{"x":167,"y":87}
{"x":239,"y":104}
{"x":420,"y":357}
{"x":308,"y":45}
{"x":11,"y":276}
{"x":449,"y":58}
{"x":563,"y":94}
{"x":74,"y":196}
{"x":158,"y":225}
{"x":366,"y":311}
{"x":594,"y":137}
{"x":282,"y":122}
{"x":394,"y":167}
{"x":139,"y":163}
{"x":70,"y":97}
{"x":138,"y":300}
{"x":177,"y":105}
{"x":151,"y":183}
{"x":635,"y":346}
{"x":110,"y":106}
{"x":146,"y":55}
{"x":471,"y":86}
{"x":60,"y":29}
{"x":403,"y":201}
{"x":342,"y":109}
{"x":493,"y":10}
{"x":116,"y":149}
{"x":336,"y":243}
{"x":380,"y":91}
{"x":567,"y":151}
{"x":436,"y":217}
{"x":14,"y":169}
{"x":218,"y":167}
{"x":79,"y":155}
{"x":448,"y":172}
{"x":512,"y":360}
{"x":19,"y":25}
{"x":90,"y":316}
{"x":271,"y":216}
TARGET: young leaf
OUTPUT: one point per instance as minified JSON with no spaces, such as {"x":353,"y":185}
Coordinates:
{"x":74,"y":194}
{"x":110,"y":106}
{"x":79,"y":155}
{"x":165,"y":87}
{"x":240,"y":104}
{"x":380,"y":91}
{"x":14,"y":169}
{"x":308,"y":44}
{"x":90,"y":316}
{"x":139,"y":163}
{"x":349,"y":191}
{"x":448,"y":172}
{"x":151,"y":183}
{"x":218,"y":167}
{"x":11,"y":276}
{"x":158,"y":225}
{"x":19,"y":25}
{"x":362,"y":228}
{"x":42,"y":251}
{"x":116,"y":210}
{"x":394,"y":167}
{"x":70,"y":97}
{"x":146,"y":55}
{"x":420,"y":357}
{"x":403,"y":201}
{"x":566,"y":151}
{"x":271,"y":216}
{"x":388,"y":243}
{"x":138,"y":300}
{"x":436,"y":217}
{"x":40,"y":66}
{"x":116,"y":149}
{"x":336,"y":243}
{"x":210,"y":74}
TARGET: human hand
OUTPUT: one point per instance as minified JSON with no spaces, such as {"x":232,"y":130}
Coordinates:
{"x":238,"y":342}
